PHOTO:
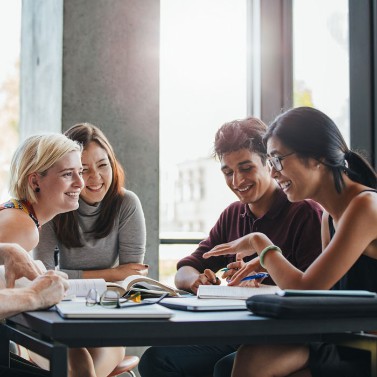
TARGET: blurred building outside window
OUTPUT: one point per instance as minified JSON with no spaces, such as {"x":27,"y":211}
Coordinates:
{"x":202,"y":85}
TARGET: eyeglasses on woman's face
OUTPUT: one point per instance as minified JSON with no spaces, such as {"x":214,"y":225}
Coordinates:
{"x":275,"y":162}
{"x":112,"y":299}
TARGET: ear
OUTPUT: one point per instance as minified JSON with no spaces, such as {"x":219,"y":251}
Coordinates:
{"x":33,"y":180}
{"x":315,"y":164}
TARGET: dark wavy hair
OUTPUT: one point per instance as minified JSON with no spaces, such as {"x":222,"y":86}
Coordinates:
{"x":312,"y":134}
{"x":66,"y":224}
{"x":239,"y":134}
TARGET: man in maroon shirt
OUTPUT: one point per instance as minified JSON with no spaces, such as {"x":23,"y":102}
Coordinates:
{"x":263,"y":207}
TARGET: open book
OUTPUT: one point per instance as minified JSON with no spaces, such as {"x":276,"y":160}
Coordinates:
{"x":231,"y":292}
{"x":134,"y":283}
{"x":147,"y":286}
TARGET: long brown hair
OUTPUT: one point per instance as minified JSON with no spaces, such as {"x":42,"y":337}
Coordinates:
{"x":66,"y":224}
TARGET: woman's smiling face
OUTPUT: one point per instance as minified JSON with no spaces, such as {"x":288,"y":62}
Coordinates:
{"x":298,"y":178}
{"x":97,"y":173}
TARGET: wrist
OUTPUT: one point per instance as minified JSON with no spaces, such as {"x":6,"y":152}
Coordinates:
{"x":267,"y":250}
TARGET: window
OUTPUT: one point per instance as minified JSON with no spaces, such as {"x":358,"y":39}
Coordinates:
{"x":321,"y":58}
{"x":203,"y":85}
{"x":10,"y":34}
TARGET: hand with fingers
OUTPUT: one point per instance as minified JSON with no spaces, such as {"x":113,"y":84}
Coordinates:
{"x":232,"y":269}
{"x":208,"y":277}
{"x":17,"y":263}
{"x":250,"y":268}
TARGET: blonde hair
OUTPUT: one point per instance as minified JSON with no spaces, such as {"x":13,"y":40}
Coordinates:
{"x":36,"y":155}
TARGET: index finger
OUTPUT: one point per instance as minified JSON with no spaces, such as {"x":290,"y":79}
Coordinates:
{"x":218,"y":250}
{"x":210,"y":275}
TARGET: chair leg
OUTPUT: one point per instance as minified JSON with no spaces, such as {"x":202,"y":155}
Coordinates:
{"x":124,"y":368}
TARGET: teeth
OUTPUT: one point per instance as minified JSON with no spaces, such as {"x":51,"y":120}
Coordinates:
{"x":73,"y":194}
{"x":244,"y":189}
{"x":94,"y":187}
{"x":285,"y":185}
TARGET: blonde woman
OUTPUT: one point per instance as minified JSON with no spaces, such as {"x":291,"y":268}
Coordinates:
{"x":47,"y":180}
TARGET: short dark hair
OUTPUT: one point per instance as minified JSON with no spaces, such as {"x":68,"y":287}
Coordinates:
{"x":239,"y":134}
{"x":312,"y":134}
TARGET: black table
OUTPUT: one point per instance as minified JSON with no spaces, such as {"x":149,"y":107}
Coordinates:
{"x":46,"y":333}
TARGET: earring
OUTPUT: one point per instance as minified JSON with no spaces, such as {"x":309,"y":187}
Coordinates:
{"x":37,"y":189}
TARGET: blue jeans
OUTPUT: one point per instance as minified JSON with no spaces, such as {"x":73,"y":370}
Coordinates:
{"x":187,"y":361}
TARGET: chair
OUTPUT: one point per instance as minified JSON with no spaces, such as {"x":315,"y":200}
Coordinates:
{"x":362,"y":341}
{"x":125,"y":366}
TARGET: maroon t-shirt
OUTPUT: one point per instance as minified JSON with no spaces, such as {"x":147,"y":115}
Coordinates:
{"x":294,"y":227}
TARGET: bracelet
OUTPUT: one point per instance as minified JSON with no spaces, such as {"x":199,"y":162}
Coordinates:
{"x":265,"y":251}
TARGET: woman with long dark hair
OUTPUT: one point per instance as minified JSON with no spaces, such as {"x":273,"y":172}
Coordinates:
{"x":309,"y":159}
{"x":105,"y":236}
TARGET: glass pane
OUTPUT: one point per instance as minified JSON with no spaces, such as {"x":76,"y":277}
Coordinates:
{"x":10,"y":35}
{"x":203,"y":85}
{"x":321,"y":58}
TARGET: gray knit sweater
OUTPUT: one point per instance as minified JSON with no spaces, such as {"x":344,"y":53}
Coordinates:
{"x":124,"y":244}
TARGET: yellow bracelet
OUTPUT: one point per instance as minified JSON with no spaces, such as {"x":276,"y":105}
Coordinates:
{"x":266,"y":250}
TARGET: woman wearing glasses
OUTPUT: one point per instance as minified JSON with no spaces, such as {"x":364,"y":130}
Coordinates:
{"x":310,"y":160}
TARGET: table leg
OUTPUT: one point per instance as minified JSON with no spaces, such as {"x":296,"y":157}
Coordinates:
{"x":4,"y":346}
{"x":59,"y":361}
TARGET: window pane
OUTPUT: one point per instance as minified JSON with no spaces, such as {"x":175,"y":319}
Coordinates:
{"x":321,"y":58}
{"x":10,"y":35}
{"x":203,"y":85}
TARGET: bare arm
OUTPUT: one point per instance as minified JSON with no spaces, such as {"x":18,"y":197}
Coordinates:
{"x":189,"y":279}
{"x":17,"y":263}
{"x":45,"y":291}
{"x":117,"y":273}
{"x":17,"y":227}
{"x":354,"y":236}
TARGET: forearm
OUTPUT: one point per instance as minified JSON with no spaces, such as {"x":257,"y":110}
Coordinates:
{"x":16,"y":300}
{"x":109,"y":274}
{"x":117,"y":273}
{"x":185,"y":276}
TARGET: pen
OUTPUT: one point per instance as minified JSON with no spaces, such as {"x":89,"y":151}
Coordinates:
{"x":256,"y":276}
{"x":228,"y":269}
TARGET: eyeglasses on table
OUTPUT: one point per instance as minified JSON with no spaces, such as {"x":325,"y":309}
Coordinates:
{"x":112,"y":299}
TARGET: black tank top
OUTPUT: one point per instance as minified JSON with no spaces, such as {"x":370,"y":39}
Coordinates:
{"x":363,"y":274}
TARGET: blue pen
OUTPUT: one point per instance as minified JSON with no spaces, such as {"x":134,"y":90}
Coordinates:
{"x":256,"y":276}
{"x":225,"y":269}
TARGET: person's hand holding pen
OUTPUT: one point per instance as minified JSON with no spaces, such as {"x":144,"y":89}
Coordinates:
{"x":250,"y":268}
{"x":231,"y":269}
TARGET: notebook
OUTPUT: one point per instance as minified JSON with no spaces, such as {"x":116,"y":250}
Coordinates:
{"x":78,"y":309}
{"x":232,"y":292}
{"x":195,"y":304}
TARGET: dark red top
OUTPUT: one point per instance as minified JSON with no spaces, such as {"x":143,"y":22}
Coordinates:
{"x":294,"y":227}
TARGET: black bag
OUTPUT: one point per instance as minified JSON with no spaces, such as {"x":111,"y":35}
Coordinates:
{"x":275,"y":306}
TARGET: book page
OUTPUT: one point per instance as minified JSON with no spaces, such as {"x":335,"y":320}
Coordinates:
{"x":230,"y":292}
{"x":147,"y":282}
{"x":81,"y":287}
